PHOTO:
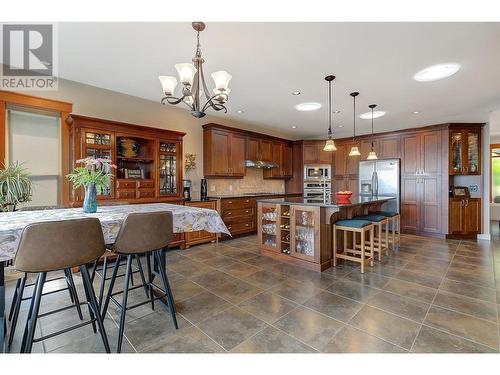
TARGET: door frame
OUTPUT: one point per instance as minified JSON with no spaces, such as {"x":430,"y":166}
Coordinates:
{"x":62,"y":109}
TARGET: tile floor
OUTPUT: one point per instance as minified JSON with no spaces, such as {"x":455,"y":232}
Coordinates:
{"x":432,"y":295}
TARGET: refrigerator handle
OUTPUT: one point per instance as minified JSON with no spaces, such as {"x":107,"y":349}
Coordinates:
{"x":374,"y":183}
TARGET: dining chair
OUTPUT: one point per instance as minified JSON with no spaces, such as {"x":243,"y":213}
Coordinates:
{"x":60,"y":245}
{"x":145,"y":234}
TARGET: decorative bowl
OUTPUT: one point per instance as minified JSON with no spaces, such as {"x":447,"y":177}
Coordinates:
{"x":343,"y":198}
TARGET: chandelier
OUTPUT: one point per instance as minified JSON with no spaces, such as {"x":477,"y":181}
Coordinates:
{"x":195,"y":93}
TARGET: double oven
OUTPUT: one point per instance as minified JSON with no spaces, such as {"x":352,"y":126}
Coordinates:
{"x":317,"y":183}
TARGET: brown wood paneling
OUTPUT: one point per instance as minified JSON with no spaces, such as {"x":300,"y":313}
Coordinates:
{"x":410,"y":154}
{"x":430,"y":204}
{"x":220,"y":162}
{"x":389,"y":147}
{"x":237,"y":150}
{"x":472,"y":215}
{"x":456,"y":216}
{"x":410,"y":216}
{"x":431,"y":152}
{"x":253,"y":149}
{"x":198,"y":237}
{"x":309,"y":153}
{"x":265,"y":150}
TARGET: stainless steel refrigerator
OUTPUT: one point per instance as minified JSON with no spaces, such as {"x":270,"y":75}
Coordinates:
{"x":382,"y":178}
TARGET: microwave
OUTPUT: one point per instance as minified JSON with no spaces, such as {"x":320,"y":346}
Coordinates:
{"x":317,"y":172}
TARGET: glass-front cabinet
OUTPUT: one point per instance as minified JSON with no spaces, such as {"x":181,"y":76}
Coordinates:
{"x":304,"y":242}
{"x":269,"y":231}
{"x":168,"y":154}
{"x":465,"y":151}
{"x":99,"y":144}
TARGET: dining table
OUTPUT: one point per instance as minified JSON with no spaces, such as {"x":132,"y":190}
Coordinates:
{"x":12,"y":224}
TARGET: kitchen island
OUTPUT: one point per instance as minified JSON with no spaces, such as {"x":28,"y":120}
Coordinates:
{"x":299,"y":232}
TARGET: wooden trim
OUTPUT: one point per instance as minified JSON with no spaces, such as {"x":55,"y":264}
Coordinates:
{"x":117,"y":126}
{"x":245,"y":132}
{"x":11,"y":97}
{"x":63,"y":109}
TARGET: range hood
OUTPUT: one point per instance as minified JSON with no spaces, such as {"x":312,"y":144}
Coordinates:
{"x":259,"y":164}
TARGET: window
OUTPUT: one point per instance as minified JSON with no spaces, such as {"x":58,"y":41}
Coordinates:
{"x":34,"y":141}
{"x":495,"y":173}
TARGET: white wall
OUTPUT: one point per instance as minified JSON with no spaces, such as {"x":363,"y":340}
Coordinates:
{"x":101,"y":103}
{"x":486,"y":184}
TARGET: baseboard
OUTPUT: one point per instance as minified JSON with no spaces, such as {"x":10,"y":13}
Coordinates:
{"x":484,"y":237}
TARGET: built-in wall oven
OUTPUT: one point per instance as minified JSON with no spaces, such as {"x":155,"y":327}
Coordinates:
{"x":316,"y":172}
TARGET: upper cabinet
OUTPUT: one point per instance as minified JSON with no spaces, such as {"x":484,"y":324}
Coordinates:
{"x":313,"y":153}
{"x":421,"y":153}
{"x":465,"y":150}
{"x":281,"y":155}
{"x":225,"y":151}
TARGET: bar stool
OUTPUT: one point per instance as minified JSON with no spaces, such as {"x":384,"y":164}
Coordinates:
{"x":60,"y":245}
{"x":353,"y":226}
{"x":394,"y":222}
{"x":142,"y":234}
{"x":379,"y":221}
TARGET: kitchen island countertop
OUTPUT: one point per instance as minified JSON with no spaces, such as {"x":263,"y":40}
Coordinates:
{"x":354,"y":201}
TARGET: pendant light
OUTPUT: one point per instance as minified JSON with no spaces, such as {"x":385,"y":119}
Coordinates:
{"x":330,"y":144}
{"x":354,"y":148}
{"x":372,"y":155}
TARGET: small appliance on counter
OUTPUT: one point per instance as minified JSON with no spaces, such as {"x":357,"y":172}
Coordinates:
{"x":186,"y":190}
{"x":204,"y":189}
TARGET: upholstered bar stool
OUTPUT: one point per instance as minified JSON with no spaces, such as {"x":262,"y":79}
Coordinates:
{"x":394,"y":222}
{"x":60,"y":245}
{"x":354,"y":226}
{"x":142,"y":234}
{"x":382,"y":237}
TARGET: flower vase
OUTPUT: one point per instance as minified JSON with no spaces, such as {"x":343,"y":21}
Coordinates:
{"x":90,"y":203}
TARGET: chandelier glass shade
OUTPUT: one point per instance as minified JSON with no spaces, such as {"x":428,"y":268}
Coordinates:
{"x":195,"y":93}
{"x":330,"y":144}
{"x":354,"y":151}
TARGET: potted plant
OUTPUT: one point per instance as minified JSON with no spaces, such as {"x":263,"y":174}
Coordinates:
{"x":15,"y":186}
{"x":95,"y":176}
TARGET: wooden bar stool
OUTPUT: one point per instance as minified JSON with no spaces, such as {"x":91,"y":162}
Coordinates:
{"x":381,"y":243}
{"x":60,"y":245}
{"x":354,"y":226}
{"x":394,"y":221}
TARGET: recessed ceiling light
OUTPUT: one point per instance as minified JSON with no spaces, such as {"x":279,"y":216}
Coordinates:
{"x":294,"y":127}
{"x":239,"y":111}
{"x":368,"y":115}
{"x":435,"y":72}
{"x":416,"y":112}
{"x":296,"y":93}
{"x":311,"y":106}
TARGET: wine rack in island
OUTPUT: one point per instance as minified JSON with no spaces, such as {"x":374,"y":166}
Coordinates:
{"x":290,"y":232}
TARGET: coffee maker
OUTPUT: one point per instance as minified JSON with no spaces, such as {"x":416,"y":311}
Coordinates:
{"x":186,"y":190}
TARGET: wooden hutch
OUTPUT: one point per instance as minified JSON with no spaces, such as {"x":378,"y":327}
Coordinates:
{"x":149,"y":160}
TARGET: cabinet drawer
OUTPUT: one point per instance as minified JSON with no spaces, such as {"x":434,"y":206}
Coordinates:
{"x":241,"y":227}
{"x":125,"y":194}
{"x":238,"y":213}
{"x":229,"y":204}
{"x":125,"y":184}
{"x":145,"y":184}
{"x":211,"y":205}
{"x":145,"y":193}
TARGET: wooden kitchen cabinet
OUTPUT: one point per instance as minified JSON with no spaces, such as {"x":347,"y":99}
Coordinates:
{"x":464,"y":216}
{"x":313,"y":153}
{"x":389,"y":147}
{"x":259,"y":149}
{"x":465,"y":150}
{"x":281,"y":155}
{"x":224,"y":153}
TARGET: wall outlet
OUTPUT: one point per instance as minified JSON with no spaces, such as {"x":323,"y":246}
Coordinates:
{"x":473,"y":188}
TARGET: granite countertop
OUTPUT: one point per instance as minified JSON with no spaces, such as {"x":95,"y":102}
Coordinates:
{"x":250,"y":195}
{"x":354,"y":201}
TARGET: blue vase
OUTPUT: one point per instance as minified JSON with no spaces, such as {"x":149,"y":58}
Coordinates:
{"x":90,"y":203}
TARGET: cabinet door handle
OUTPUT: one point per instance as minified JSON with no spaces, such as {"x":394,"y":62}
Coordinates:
{"x":462,"y":203}
{"x":466,"y":202}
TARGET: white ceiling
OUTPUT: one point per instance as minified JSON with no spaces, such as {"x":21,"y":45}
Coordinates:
{"x":270,"y":60}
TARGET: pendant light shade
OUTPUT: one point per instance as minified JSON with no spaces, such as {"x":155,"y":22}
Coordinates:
{"x":330,"y":144}
{"x":372,"y":155}
{"x":354,"y":149}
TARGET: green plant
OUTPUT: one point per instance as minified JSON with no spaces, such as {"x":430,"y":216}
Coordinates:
{"x":15,"y":186}
{"x":95,"y":171}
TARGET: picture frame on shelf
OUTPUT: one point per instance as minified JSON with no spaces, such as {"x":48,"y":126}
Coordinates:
{"x":460,"y":191}
{"x":137,"y":174}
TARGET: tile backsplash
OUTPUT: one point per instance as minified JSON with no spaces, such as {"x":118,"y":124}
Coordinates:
{"x":253,"y":182}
